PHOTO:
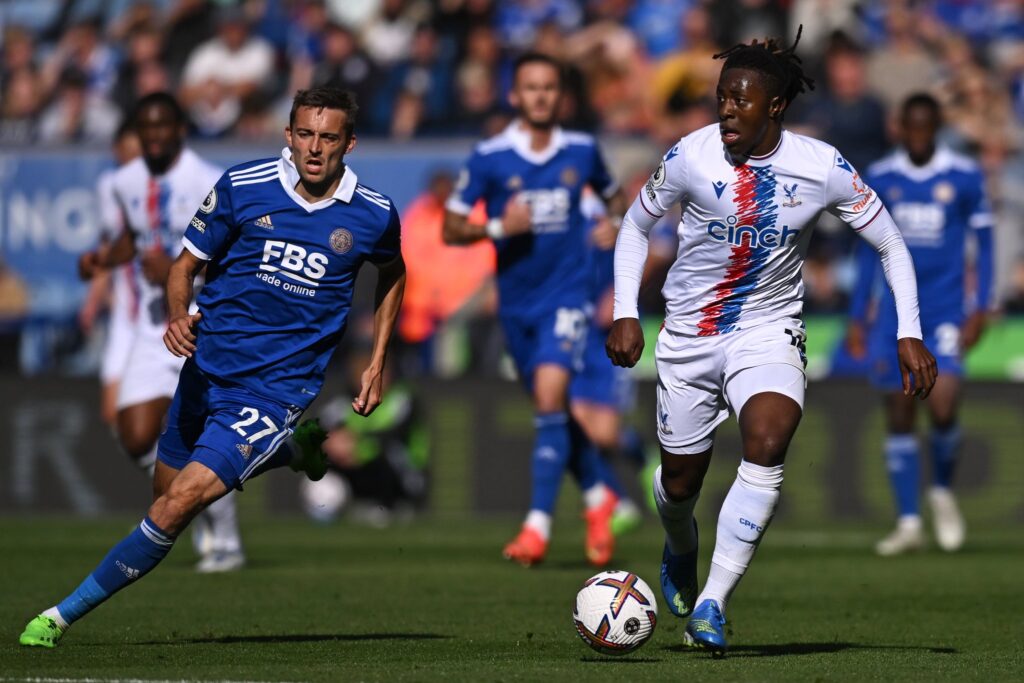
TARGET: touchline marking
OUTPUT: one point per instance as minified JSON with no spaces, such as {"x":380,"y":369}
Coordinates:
{"x":122,"y":680}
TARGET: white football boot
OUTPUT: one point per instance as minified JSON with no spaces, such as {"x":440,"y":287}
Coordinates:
{"x":949,"y":523}
{"x":908,"y":536}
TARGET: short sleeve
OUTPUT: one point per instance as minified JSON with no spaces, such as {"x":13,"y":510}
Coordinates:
{"x":667,"y":185}
{"x":979,"y":210}
{"x":470,"y":187}
{"x":212,"y":229}
{"x":390,"y":243}
{"x":600,"y":179}
{"x":848,"y":196}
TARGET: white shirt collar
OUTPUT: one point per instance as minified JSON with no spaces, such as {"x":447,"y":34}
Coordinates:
{"x":520,"y":138}
{"x":941,"y":161}
{"x":289,"y":176}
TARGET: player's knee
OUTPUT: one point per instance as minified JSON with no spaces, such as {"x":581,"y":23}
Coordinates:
{"x":549,"y":402}
{"x":681,"y":484}
{"x":135,"y":441}
{"x":765,"y":445}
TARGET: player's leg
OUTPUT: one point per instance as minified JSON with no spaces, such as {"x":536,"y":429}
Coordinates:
{"x":135,"y":556}
{"x":902,"y":462}
{"x":690,"y":406}
{"x":945,"y":441}
{"x":138,"y":428}
{"x":597,"y":480}
{"x":769,"y":402}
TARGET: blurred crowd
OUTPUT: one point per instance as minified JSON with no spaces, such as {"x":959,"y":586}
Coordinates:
{"x":637,"y":69}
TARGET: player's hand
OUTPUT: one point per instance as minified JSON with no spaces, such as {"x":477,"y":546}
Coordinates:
{"x":972,"y":329}
{"x":625,"y":342}
{"x":604,"y":234}
{"x":856,"y":340}
{"x":369,"y":391}
{"x":517,"y":218}
{"x":917,"y":365}
{"x":180,"y":337}
{"x":156,"y":265}
{"x":89,"y":265}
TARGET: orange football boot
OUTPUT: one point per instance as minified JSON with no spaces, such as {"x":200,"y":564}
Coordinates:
{"x":527,"y":549}
{"x":600,"y":542}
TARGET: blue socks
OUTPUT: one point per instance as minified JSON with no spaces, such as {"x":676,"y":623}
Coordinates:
{"x":945,"y":445}
{"x":550,"y":457}
{"x":131,"y":559}
{"x":902,"y":462}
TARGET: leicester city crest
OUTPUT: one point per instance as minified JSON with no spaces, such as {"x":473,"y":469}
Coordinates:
{"x":341,"y":241}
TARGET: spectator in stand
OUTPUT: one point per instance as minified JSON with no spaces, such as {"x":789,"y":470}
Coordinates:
{"x":388,"y":37}
{"x":188,"y":24}
{"x":656,"y":22}
{"x":844,"y":114}
{"x":144,"y":48}
{"x":518,"y":21}
{"x":348,"y":66}
{"x":417,"y":93}
{"x":18,"y":53}
{"x":222,"y":72}
{"x":902,"y":64}
{"x":77,"y":115}
{"x":689,"y":74}
{"x":82,"y":48}
{"x":19,"y":107}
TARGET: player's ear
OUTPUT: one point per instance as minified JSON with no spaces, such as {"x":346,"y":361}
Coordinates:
{"x":776,"y":107}
{"x":351,"y":143}
{"x":288,"y":135}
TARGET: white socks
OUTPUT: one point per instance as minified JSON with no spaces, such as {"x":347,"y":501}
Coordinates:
{"x":539,"y":521}
{"x":54,"y":614}
{"x":746,"y":513}
{"x":676,"y":518}
{"x":222,"y":517}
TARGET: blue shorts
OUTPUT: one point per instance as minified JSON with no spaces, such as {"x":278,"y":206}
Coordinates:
{"x":227,"y":428}
{"x":558,"y":337}
{"x":599,"y":381}
{"x":942,"y":340}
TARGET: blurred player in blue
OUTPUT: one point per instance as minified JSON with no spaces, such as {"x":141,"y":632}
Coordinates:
{"x":282,"y":240}
{"x":531,"y":177}
{"x":937,"y":199}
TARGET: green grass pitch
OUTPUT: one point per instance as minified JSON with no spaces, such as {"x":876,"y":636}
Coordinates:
{"x":433,"y":601}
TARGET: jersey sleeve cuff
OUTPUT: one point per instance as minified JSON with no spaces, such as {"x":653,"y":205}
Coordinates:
{"x":870,"y":214}
{"x":458,"y":206}
{"x":196,"y":251}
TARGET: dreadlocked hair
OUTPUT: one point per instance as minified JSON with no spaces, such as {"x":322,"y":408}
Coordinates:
{"x":782,"y":69}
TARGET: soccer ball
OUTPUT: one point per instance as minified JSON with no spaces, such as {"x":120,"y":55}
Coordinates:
{"x":615,"y":612}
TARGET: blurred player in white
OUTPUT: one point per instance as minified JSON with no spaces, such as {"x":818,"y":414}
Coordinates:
{"x":158,"y":194}
{"x":113,"y":289}
{"x":733,"y":340}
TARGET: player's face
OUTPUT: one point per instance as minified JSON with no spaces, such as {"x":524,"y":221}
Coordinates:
{"x":319,"y":143}
{"x":746,"y":114}
{"x":537,"y":93}
{"x":919,"y":128}
{"x":161,"y":136}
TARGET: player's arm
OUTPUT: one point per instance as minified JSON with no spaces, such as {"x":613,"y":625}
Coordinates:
{"x":180,"y":337}
{"x":882,"y":234}
{"x":665,"y":188}
{"x":107,"y":255}
{"x":981,"y":223}
{"x":866,"y":262}
{"x":515,"y":220}
{"x":388,"y":299}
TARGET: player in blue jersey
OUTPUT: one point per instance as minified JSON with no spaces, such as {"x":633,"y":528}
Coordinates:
{"x":282,"y":240}
{"x":937,"y":199}
{"x":531,"y":177}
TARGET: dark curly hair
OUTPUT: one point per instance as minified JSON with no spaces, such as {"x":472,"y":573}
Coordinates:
{"x":781,"y":68}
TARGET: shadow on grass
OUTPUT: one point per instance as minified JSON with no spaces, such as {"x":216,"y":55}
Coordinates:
{"x":300,"y":638}
{"x":796,"y":649}
{"x":619,"y":660}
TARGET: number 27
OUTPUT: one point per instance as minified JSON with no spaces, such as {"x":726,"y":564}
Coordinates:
{"x":250,"y":415}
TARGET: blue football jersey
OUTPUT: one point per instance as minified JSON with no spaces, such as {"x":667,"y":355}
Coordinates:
{"x":938,"y":207}
{"x":547,"y":268}
{"x":280,"y":274}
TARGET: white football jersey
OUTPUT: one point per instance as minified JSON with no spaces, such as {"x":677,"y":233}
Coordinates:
{"x":745,"y":229}
{"x":158,"y":209}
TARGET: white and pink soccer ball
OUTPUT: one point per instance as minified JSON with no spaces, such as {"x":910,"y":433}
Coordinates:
{"x":615,"y":612}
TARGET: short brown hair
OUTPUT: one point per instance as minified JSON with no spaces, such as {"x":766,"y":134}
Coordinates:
{"x":327,"y":97}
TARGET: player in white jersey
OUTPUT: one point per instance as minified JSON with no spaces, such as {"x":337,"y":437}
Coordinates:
{"x":157,"y":195}
{"x":113,"y":288}
{"x":733,"y":341}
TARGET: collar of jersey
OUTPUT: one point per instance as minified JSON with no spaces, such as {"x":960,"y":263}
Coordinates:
{"x":520,"y":140}
{"x":941,"y":161}
{"x":765,"y":157}
{"x":289,"y":176}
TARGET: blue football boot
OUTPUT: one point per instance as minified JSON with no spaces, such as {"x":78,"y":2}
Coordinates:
{"x":706,"y":628}
{"x":679,"y":580}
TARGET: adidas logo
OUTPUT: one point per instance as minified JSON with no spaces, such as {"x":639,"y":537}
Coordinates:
{"x":130,"y":572}
{"x":264,"y":222}
{"x":245,"y":449}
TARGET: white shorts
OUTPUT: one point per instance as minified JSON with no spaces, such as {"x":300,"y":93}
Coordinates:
{"x":701,"y":380}
{"x":150,"y":372}
{"x":120,"y":334}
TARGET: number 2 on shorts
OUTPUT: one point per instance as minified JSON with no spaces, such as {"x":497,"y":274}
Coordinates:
{"x":249,"y":416}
